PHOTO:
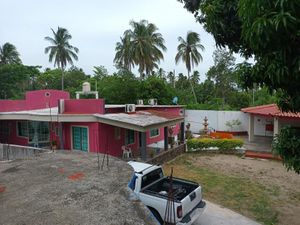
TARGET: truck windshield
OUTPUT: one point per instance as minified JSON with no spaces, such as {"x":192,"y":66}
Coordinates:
{"x":152,"y":177}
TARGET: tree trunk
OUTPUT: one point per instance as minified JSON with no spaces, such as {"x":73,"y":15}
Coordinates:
{"x":192,"y":88}
{"x":62,"y":78}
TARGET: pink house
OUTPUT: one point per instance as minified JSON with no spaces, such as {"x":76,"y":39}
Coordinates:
{"x":48,"y":117}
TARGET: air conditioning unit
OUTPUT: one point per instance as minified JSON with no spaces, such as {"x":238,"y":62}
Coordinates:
{"x":181,"y":112}
{"x":152,"y":101}
{"x":130,"y":108}
{"x":140,"y":102}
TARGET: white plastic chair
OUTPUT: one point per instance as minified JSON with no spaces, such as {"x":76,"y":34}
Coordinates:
{"x":127,"y":153}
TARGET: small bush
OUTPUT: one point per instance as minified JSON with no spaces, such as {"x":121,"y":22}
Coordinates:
{"x":287,"y":144}
{"x":221,"y":144}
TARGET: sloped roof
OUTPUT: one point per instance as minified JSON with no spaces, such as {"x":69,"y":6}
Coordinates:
{"x":140,"y":120}
{"x":270,"y":110}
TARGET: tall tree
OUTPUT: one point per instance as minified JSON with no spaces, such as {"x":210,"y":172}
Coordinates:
{"x":171,"y":78}
{"x":222,"y":73}
{"x":124,"y":54}
{"x":195,"y":77}
{"x":189,"y":54}
{"x":269,"y":30}
{"x":9,"y":54}
{"x":60,"y":50}
{"x":100,"y":72}
{"x":142,"y":45}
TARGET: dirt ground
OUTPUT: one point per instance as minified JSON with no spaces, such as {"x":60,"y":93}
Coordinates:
{"x":66,"y":188}
{"x":266,"y":172}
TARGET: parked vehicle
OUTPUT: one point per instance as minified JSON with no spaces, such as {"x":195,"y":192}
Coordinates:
{"x":151,"y":187}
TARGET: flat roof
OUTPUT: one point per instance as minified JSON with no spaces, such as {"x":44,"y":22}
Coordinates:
{"x":142,"y":120}
{"x":109,"y":106}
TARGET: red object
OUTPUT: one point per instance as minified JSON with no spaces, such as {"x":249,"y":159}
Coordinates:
{"x":61,"y":170}
{"x":221,"y":135}
{"x":269,"y":127}
{"x":261,"y":155}
{"x":2,"y":189}
{"x":76,"y":176}
{"x":179,"y":211}
{"x":270,"y":110}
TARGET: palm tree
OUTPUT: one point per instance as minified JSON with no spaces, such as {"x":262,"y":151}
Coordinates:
{"x":171,"y":77}
{"x":195,"y":77}
{"x":123,"y":57}
{"x":189,"y":54}
{"x":9,"y":54}
{"x":142,"y":45}
{"x":61,"y":50}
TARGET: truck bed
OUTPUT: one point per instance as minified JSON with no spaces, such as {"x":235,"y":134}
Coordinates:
{"x":181,"y":188}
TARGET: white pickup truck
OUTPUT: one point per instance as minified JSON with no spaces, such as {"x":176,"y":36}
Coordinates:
{"x":151,"y":187}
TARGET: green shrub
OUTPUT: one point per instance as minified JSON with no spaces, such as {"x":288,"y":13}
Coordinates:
{"x":221,"y":144}
{"x":287,"y":145}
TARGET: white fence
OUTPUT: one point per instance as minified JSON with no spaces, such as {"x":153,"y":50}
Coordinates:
{"x":216,"y":120}
{"x":12,"y":152}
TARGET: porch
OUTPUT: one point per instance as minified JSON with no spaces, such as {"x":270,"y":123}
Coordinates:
{"x":147,"y":133}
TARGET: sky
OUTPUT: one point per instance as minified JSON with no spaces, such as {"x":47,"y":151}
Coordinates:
{"x":96,"y":26}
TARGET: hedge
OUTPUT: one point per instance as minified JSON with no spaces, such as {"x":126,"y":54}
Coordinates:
{"x":221,"y":144}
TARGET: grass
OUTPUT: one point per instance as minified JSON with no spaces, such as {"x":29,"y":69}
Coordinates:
{"x":237,"y":193}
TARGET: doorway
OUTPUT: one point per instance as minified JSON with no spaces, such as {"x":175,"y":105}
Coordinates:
{"x":80,"y":138}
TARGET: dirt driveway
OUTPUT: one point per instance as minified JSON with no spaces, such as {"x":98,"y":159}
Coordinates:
{"x":66,"y":188}
{"x":260,"y":189}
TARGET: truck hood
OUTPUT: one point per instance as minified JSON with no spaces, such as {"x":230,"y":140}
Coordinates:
{"x":138,"y":166}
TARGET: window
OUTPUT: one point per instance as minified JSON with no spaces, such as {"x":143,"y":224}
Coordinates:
{"x":154,"y":132}
{"x":152,"y":177}
{"x":43,"y":131}
{"x":38,"y":132}
{"x":22,"y":129}
{"x":4,"y":129}
{"x":117,"y":133}
{"x":129,"y":137}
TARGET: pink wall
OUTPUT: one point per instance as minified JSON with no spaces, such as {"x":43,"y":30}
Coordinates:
{"x":13,"y":138}
{"x":93,"y":132}
{"x":34,"y":100}
{"x":39,"y":99}
{"x":84,"y":106}
{"x":108,"y":141}
{"x":12,"y":105}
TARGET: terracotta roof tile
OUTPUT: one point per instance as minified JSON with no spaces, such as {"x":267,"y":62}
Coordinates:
{"x":269,"y":110}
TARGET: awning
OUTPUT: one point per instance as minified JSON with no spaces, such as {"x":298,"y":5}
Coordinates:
{"x":140,"y":120}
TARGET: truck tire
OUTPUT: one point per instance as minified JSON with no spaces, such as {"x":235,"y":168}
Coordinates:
{"x":156,"y":215}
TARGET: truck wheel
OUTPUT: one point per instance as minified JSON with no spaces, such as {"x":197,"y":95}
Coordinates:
{"x":156,"y":215}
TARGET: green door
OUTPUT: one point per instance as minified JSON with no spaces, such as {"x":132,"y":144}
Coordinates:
{"x":80,"y":138}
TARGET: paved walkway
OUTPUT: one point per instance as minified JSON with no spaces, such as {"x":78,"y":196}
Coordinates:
{"x":217,"y":215}
{"x":259,"y":144}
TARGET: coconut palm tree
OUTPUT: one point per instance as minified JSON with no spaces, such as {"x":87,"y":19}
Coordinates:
{"x":195,"y":77}
{"x":189,"y":54}
{"x":60,"y":50}
{"x":124,"y":57}
{"x":9,"y":54}
{"x":141,"y":45}
{"x":171,"y":78}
